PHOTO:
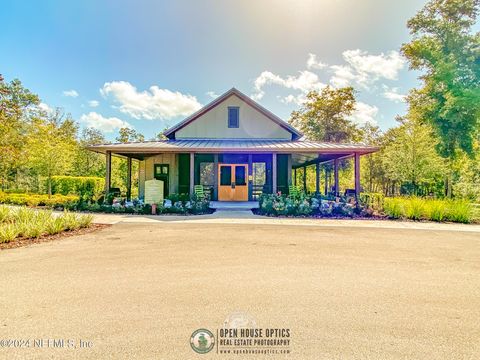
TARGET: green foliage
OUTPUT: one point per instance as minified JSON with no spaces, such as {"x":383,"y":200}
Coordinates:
{"x":87,"y":188}
{"x":446,"y":50}
{"x":393,"y":208}
{"x":429,"y":209}
{"x":28,"y":223}
{"x":303,"y":205}
{"x":64,"y":201}
{"x":324,"y":116}
{"x":8,"y":232}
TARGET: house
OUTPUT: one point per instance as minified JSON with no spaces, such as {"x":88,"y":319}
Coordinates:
{"x":235,"y":148}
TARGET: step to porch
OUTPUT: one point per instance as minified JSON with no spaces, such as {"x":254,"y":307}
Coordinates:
{"x":234,"y":205}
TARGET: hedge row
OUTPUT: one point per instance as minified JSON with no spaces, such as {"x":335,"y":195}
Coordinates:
{"x":87,"y":188}
{"x":57,"y":200}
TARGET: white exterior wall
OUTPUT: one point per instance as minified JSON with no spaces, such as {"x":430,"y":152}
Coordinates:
{"x":214,"y":124}
{"x":146,"y":171}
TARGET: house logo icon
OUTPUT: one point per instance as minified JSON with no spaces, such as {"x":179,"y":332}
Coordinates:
{"x":202,"y":341}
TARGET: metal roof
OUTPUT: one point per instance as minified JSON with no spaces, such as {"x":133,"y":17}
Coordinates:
{"x":170,"y":133}
{"x":233,"y":145}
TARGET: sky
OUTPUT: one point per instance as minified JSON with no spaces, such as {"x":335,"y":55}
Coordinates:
{"x":149,"y":64}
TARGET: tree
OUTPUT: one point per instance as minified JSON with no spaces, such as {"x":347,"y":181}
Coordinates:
{"x":15,"y":102}
{"x":448,"y":53}
{"x":51,"y":146}
{"x":88,"y":163}
{"x":409,"y":157}
{"x":372,"y":168}
{"x":129,"y":135}
{"x":325,"y":115}
{"x":119,"y":166}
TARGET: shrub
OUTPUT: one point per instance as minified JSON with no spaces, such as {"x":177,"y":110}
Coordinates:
{"x":86,"y":187}
{"x":8,"y":232}
{"x":85,"y":220}
{"x":5,"y":214}
{"x":57,"y":200}
{"x":436,"y":210}
{"x":460,"y":211}
{"x":414,"y":209}
{"x":393,"y":208}
{"x":54,"y":226}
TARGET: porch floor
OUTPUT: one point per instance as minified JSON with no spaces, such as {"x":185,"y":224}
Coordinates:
{"x":234,"y":205}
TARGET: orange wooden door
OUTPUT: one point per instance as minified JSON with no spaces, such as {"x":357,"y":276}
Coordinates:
{"x":232,"y":182}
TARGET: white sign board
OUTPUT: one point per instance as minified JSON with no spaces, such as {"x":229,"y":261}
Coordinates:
{"x":153,"y":191}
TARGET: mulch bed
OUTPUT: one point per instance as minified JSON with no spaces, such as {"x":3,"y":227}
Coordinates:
{"x":20,"y":242}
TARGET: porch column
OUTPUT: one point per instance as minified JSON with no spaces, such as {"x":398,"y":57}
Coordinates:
{"x":250,"y":176}
{"x":192,"y":173}
{"x":108,"y":171}
{"x":129,"y":178}
{"x":317,"y":178}
{"x":326,"y":179}
{"x":274,"y":173}
{"x":357,"y":174}
{"x":215,"y":177}
{"x":335,"y":174}
{"x":289,"y":169}
{"x":305,"y":179}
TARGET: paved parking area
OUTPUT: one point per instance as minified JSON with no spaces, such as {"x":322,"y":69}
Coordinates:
{"x":138,"y":290}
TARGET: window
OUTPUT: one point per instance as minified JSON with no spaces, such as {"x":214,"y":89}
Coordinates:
{"x":207,"y":174}
{"x":240,"y":176}
{"x":233,"y":117}
{"x":225,"y":175}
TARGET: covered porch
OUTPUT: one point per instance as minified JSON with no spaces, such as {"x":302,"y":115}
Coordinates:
{"x":248,"y":168}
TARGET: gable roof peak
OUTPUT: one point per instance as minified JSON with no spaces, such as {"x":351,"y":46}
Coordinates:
{"x":170,"y":133}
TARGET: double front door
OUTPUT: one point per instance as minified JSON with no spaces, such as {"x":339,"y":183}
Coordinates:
{"x":232,"y":182}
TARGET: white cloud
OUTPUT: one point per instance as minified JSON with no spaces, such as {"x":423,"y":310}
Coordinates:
{"x":154,"y":103}
{"x":70,"y":93}
{"x":364,"y":113}
{"x":364,"y":69}
{"x":393,"y":94}
{"x":93,"y":103}
{"x":304,"y":82}
{"x":313,"y":63}
{"x":212,"y":94}
{"x":97,"y":121}
{"x":46,"y":108}
{"x":292,"y":99}
{"x":383,"y":65}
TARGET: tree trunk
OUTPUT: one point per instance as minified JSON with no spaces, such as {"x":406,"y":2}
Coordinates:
{"x":49,"y":182}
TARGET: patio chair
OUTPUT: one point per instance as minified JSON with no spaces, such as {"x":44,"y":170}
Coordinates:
{"x":198,"y":189}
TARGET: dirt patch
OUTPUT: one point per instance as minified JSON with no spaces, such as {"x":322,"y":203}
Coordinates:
{"x":20,"y":242}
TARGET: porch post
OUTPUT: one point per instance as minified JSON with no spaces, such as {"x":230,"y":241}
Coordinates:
{"x":335,"y":174}
{"x":192,"y":173}
{"x":250,"y":176}
{"x":326,"y":179}
{"x":317,"y":178}
{"x":129,"y":178}
{"x":357,"y":174}
{"x":108,"y":171}
{"x":215,"y":176}
{"x":305,"y":179}
{"x":274,"y":173}
{"x":289,"y":169}
{"x":295,"y":176}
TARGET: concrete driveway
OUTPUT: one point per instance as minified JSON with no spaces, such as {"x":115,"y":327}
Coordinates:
{"x":139,"y":290}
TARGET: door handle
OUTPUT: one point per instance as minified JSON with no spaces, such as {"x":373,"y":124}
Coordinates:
{"x":233,"y":185}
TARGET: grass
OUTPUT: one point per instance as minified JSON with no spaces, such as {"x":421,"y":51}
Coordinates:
{"x":429,"y":209}
{"x":28,"y":223}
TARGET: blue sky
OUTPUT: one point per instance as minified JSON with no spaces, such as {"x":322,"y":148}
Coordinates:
{"x":148,"y":64}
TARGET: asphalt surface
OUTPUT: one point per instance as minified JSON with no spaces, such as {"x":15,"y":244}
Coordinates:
{"x":138,"y":291}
